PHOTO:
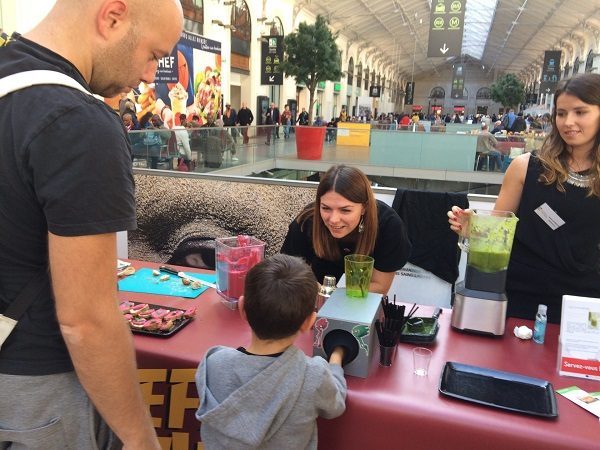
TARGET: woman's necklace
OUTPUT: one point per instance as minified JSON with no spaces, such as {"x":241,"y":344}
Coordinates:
{"x":579,"y":178}
{"x":582,"y":180}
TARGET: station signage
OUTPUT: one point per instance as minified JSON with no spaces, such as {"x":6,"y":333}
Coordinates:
{"x":271,"y":59}
{"x":446,"y":25}
{"x":458,"y":81}
{"x":409,"y":93}
{"x":375,"y":91}
{"x":550,"y":71}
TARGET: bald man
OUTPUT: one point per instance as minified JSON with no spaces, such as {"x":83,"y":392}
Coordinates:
{"x":68,"y":376}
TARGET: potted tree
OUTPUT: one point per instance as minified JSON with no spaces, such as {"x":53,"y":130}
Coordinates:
{"x":508,"y":90}
{"x":311,"y":56}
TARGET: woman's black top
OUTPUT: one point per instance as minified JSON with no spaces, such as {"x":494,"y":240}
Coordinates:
{"x":392,"y":246}
{"x":546,"y":264}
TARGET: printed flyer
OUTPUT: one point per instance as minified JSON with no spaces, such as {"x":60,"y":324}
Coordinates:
{"x":589,"y":401}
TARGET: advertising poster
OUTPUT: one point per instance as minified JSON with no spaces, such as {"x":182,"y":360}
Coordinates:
{"x":187,"y":82}
{"x":580,"y":337}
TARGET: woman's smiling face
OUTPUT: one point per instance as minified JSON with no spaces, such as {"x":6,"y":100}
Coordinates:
{"x":577,"y":122}
{"x":340,"y":215}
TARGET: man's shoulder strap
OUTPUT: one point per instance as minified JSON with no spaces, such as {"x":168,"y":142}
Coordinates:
{"x":24,"y":80}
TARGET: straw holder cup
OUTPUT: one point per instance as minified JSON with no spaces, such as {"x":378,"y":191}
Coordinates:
{"x":350,"y":323}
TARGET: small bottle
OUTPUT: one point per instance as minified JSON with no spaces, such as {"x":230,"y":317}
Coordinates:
{"x":539,"y":329}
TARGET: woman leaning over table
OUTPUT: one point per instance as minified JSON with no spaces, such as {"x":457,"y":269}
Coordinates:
{"x":345,"y":219}
{"x":562,"y":181}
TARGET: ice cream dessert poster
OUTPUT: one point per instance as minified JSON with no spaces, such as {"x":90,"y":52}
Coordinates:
{"x":188,"y":81}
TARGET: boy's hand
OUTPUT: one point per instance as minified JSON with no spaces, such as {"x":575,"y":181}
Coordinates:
{"x":337,"y":356}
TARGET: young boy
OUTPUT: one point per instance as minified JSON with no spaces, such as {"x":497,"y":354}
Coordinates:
{"x":269,"y":395}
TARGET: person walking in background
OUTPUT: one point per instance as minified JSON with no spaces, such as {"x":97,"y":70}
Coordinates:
{"x":272,"y":117}
{"x":68,"y":377}
{"x":519,"y":124}
{"x":244,"y":120}
{"x":229,"y":121}
{"x":303,"y":118}
{"x":182,"y":140}
{"x":286,"y":120}
{"x":271,"y":375}
{"x":508,"y":120}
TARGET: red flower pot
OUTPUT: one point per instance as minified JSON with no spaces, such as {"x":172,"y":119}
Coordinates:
{"x":309,"y":142}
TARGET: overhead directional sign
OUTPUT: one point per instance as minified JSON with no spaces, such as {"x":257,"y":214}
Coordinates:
{"x":271,"y":58}
{"x":446,"y":28}
{"x":551,"y":71}
{"x":458,"y":81}
{"x":409,"y":93}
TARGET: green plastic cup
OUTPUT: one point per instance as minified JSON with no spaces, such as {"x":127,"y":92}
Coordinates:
{"x":359,"y":269}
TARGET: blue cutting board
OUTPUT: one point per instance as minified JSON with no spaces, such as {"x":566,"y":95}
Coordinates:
{"x":144,"y":282}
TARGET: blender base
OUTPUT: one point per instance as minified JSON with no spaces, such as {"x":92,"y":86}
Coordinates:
{"x":479,"y":311}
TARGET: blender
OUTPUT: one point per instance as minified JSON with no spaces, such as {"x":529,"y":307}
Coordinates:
{"x":235,"y":256}
{"x":480,"y":301}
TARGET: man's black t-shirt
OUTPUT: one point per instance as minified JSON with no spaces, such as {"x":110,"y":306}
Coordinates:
{"x":65,"y":168}
{"x":391,"y":252}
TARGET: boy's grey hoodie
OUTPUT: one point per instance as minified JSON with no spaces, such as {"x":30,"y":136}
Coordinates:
{"x":261,"y":402}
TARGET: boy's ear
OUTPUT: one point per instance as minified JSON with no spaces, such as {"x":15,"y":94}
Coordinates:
{"x":241,"y":307}
{"x":309,"y":322}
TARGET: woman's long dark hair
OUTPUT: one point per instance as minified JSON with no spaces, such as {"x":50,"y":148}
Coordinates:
{"x":554,"y":154}
{"x":353,"y":185}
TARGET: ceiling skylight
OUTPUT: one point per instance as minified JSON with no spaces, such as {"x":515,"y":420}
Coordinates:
{"x":478,"y":21}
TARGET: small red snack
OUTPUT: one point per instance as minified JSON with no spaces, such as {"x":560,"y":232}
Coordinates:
{"x":137,"y":309}
{"x":147,"y":313}
{"x":190,"y":312}
{"x":128,"y":317}
{"x":173,"y":315}
{"x":137,"y":323}
{"x":160,"y":313}
{"x":152,"y":324}
{"x":167,"y":325}
{"x":125,"y":306}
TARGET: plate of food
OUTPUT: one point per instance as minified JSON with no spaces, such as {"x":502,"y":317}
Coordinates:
{"x":155,"y":320}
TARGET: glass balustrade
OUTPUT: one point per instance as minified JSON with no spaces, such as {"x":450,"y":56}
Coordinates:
{"x":412,"y":149}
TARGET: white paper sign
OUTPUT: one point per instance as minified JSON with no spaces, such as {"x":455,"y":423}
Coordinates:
{"x":580,"y":337}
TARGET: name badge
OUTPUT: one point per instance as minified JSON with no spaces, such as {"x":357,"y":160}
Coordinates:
{"x":549,"y":216}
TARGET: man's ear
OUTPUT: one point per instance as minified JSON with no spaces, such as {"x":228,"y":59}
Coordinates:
{"x":113,"y":14}
{"x":309,"y":322}
{"x":241,"y":305}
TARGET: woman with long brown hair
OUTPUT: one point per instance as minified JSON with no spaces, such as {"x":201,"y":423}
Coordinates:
{"x":344,"y":219}
{"x":556,"y":195}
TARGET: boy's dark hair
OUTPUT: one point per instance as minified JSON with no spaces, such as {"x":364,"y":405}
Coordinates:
{"x":279,"y":294}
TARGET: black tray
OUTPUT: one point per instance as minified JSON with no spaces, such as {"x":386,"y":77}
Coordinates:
{"x":425,"y":336}
{"x":504,"y":390}
{"x":178,"y":325}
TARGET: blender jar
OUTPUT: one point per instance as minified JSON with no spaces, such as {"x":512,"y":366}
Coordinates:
{"x":235,"y":256}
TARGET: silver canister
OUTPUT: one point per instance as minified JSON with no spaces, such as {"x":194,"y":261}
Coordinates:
{"x":325,"y":290}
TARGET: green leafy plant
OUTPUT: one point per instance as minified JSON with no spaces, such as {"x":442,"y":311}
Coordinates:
{"x":311,"y":56}
{"x":508,"y":90}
